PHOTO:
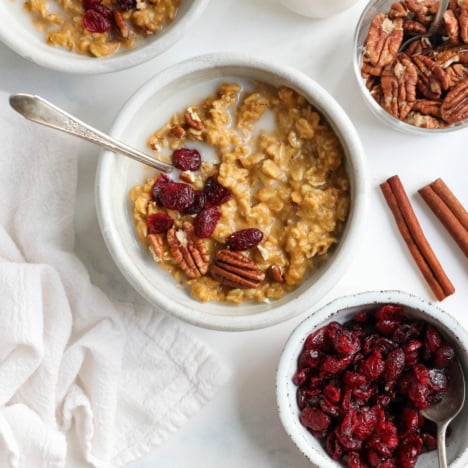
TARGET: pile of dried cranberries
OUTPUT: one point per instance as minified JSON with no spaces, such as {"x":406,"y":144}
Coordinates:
{"x":362,"y":384}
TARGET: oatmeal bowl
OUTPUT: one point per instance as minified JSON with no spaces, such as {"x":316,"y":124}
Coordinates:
{"x":264,"y":208}
{"x":411,"y":82}
{"x":355,"y":377}
{"x":94,"y":36}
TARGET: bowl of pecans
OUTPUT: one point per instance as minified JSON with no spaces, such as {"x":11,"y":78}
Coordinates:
{"x":354,"y":377}
{"x":420,"y":86}
{"x":94,"y":36}
{"x":263,"y":209}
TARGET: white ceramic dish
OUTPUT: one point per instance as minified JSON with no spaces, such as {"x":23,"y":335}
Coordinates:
{"x":343,"y":309}
{"x":151,"y":106}
{"x":318,"y":8}
{"x":19,"y":34}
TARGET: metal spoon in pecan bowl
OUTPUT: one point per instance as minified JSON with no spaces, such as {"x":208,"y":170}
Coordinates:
{"x":433,"y":28}
{"x":443,"y":412}
{"x":43,"y":112}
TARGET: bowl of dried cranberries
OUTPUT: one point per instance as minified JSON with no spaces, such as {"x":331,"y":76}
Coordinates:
{"x":354,"y":376}
{"x":418,"y":87}
{"x":265,"y":207}
{"x":95,"y":36}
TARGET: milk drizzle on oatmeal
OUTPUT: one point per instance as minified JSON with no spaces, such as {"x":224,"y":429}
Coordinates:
{"x":285,"y":168}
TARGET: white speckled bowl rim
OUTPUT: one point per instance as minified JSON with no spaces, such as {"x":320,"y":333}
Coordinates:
{"x":19,"y":34}
{"x":347,"y":306}
{"x":166,"y":295}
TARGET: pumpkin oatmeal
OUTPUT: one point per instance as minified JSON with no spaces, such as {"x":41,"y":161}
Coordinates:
{"x":253,"y":223}
{"x":99,"y":27}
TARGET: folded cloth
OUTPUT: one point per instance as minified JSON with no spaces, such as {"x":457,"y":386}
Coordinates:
{"x":119,"y":377}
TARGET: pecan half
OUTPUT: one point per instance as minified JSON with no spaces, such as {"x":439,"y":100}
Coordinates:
{"x":399,"y":86}
{"x":193,"y":119}
{"x":398,"y":10}
{"x":457,"y":54}
{"x":383,"y":40}
{"x":456,"y":73}
{"x":432,"y":79}
{"x":427,"y":107}
{"x":188,"y":250}
{"x":178,"y":131}
{"x":454,"y":107}
{"x":451,"y":27}
{"x":463,"y":21}
{"x":121,"y":24}
{"x":235,"y":270}
{"x":156,"y":246}
{"x":424,"y":121}
{"x":275,"y":273}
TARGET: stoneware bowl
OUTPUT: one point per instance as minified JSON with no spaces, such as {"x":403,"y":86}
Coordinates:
{"x":373,"y":8}
{"x":341,"y":310}
{"x":19,"y":34}
{"x":318,"y":8}
{"x":149,"y":108}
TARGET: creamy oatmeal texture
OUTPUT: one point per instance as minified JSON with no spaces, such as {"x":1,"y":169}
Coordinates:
{"x":284,"y":166}
{"x":100,"y":27}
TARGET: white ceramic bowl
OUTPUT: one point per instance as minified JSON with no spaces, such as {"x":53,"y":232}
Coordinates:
{"x":19,"y":34}
{"x":341,"y":310}
{"x":148,"y":109}
{"x":318,"y":8}
{"x":373,"y":8}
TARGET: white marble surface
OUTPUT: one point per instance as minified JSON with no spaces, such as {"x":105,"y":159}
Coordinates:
{"x":240,"y":427}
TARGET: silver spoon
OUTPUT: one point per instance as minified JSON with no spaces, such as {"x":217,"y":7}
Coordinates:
{"x":443,"y":5}
{"x":41,"y":111}
{"x":443,"y":412}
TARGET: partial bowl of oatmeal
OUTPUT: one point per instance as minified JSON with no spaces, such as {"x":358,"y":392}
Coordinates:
{"x":355,"y":375}
{"x":265,"y":207}
{"x":422,"y":87}
{"x":95,"y":36}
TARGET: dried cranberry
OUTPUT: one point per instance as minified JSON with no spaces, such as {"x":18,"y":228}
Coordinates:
{"x":97,"y":21}
{"x":333,"y":446}
{"x":444,"y":356}
{"x":372,"y":366}
{"x":89,"y":4}
{"x":206,"y":221}
{"x":216,"y":194}
{"x":186,"y":159}
{"x":433,"y":339}
{"x":394,"y":366}
{"x":198,"y":204}
{"x":390,"y":312}
{"x":316,"y":340}
{"x":437,"y":380}
{"x":409,"y":421}
{"x":126,"y":5}
{"x":176,"y":196}
{"x":332,"y":393}
{"x":409,"y":450}
{"x":158,"y":223}
{"x":311,"y":359}
{"x":158,"y":185}
{"x":314,"y":419}
{"x":244,"y":239}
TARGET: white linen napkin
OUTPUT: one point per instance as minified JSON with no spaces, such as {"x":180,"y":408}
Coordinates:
{"x":122,"y":377}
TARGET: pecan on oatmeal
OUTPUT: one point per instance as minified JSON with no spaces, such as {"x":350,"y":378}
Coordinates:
{"x":253,"y":222}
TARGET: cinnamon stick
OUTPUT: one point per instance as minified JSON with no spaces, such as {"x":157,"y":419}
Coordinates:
{"x":451,"y":201}
{"x":449,"y":210}
{"x":412,"y":234}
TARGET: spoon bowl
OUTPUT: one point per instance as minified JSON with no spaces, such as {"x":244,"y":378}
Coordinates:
{"x":443,"y":412}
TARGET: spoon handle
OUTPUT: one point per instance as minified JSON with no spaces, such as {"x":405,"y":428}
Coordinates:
{"x":41,"y":111}
{"x":441,"y":447}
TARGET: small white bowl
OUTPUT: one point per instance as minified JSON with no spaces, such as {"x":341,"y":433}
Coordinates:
{"x":18,"y":32}
{"x":318,"y":8}
{"x":151,"y":107}
{"x":341,"y":310}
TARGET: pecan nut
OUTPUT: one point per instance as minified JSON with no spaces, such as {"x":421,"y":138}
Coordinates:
{"x":399,"y":86}
{"x":456,"y":73}
{"x":427,"y":107}
{"x":193,"y":119}
{"x":235,"y":270}
{"x":454,"y":107}
{"x":156,"y":246}
{"x":383,"y":40}
{"x":188,"y":250}
{"x":432,"y":78}
{"x":276,"y":274}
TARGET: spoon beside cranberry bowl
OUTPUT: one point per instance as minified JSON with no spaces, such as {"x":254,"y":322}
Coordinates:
{"x":356,"y":377}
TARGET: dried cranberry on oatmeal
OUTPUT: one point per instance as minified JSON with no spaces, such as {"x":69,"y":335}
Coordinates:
{"x":266,"y":211}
